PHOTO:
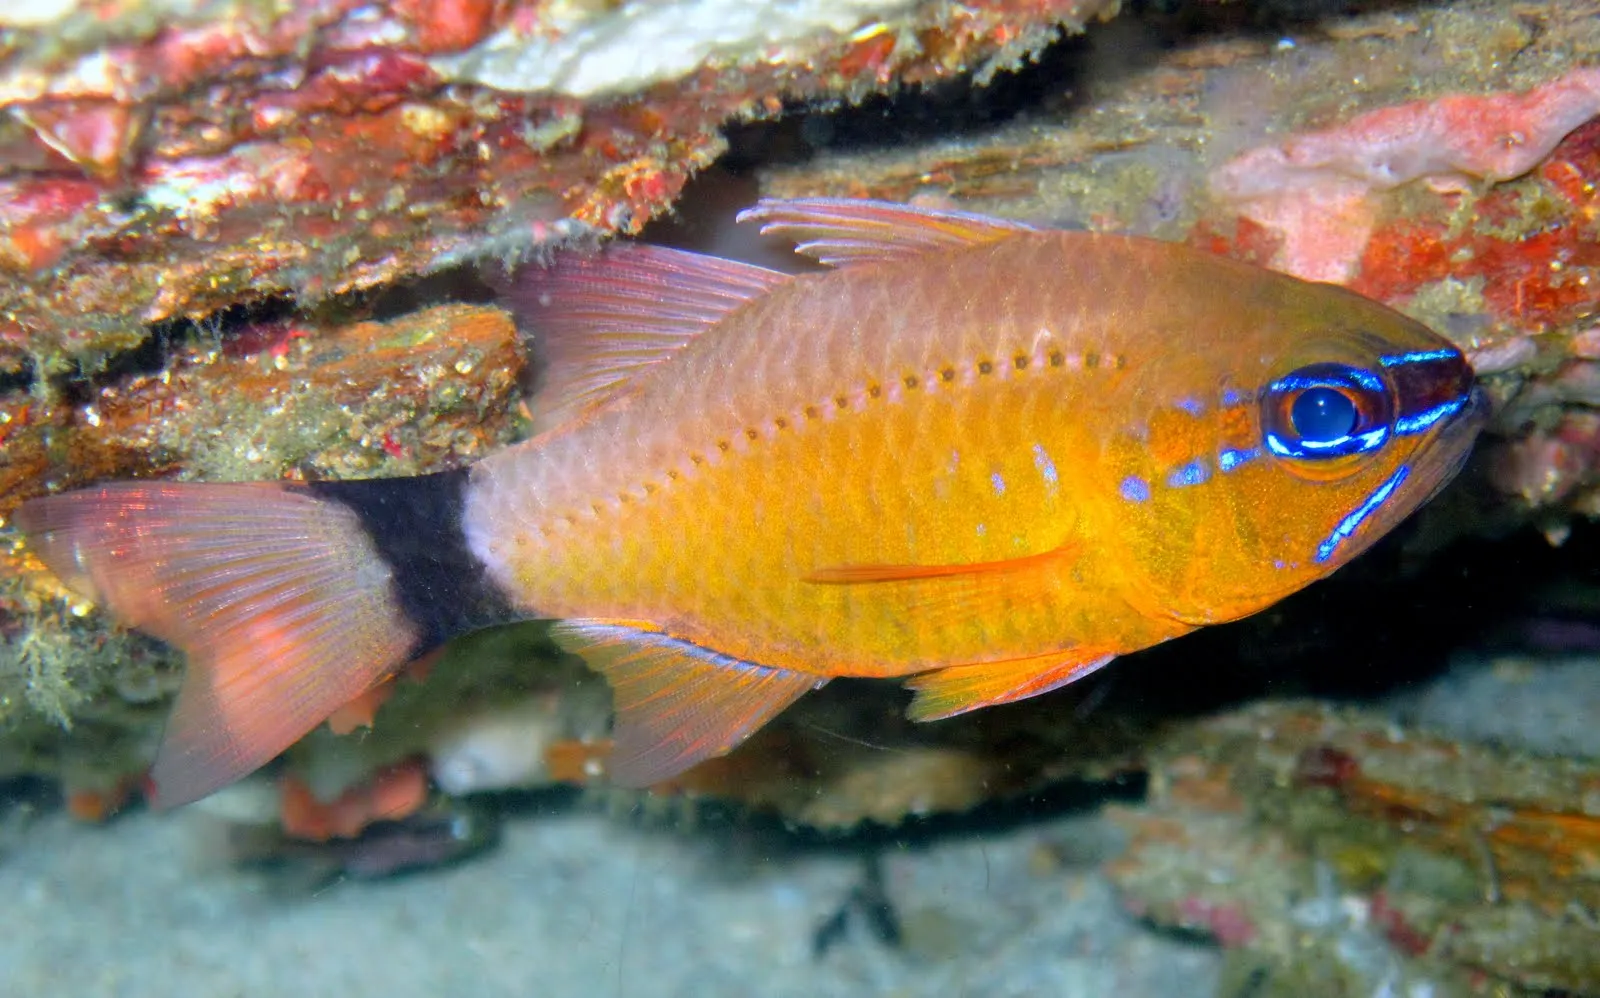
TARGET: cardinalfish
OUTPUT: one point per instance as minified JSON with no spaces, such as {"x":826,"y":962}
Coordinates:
{"x":984,"y":457}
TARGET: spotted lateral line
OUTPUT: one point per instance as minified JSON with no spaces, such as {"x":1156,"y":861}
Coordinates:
{"x":1350,"y":524}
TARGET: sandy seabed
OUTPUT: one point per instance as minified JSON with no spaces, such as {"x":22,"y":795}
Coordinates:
{"x":575,"y":904}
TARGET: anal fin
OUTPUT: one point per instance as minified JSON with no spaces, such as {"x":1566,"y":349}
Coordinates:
{"x":960,"y":688}
{"x":676,"y":703}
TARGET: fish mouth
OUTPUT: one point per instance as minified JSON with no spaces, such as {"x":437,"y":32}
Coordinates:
{"x":1447,"y":452}
{"x":1442,"y":405}
{"x":1471,"y":415}
{"x":1445,"y":433}
{"x":1434,"y":389}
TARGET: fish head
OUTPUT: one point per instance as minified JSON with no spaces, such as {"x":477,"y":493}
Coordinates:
{"x":1329,"y":420}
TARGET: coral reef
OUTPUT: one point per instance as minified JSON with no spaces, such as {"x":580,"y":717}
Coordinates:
{"x":164,"y":160}
{"x":1338,"y":852}
{"x":274,"y":399}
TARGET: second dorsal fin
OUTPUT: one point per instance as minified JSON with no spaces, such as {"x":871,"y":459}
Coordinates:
{"x":598,"y":320}
{"x":844,"y":231}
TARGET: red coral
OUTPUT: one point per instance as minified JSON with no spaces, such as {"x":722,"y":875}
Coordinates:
{"x":390,"y":794}
{"x":1250,"y":241}
{"x":1316,"y":189}
{"x":1575,"y":166}
{"x":448,"y":25}
{"x":1325,"y":766}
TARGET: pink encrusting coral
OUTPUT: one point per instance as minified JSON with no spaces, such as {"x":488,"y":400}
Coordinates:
{"x":1316,"y":190}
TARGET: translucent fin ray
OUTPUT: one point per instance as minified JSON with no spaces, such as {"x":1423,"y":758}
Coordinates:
{"x":282,"y":604}
{"x":844,"y":231}
{"x":958,"y":689}
{"x":599,"y":320}
{"x":676,"y":703}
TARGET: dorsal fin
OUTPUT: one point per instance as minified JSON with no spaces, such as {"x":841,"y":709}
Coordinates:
{"x":844,"y":231}
{"x":598,"y":320}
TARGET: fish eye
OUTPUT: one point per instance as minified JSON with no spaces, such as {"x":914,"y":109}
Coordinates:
{"x":1323,"y":415}
{"x":1324,"y":411}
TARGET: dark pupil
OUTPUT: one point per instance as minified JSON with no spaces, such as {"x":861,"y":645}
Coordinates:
{"x":1322,"y":415}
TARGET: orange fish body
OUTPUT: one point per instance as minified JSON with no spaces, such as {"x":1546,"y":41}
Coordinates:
{"x":983,"y":456}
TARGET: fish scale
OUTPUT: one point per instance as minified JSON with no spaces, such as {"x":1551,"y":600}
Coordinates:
{"x":983,"y":457}
{"x":732,"y":572}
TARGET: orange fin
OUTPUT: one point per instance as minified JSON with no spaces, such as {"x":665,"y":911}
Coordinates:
{"x":676,"y":703}
{"x":960,"y":688}
{"x":599,"y":320}
{"x":844,"y":231}
{"x":279,"y":598}
{"x":984,"y":589}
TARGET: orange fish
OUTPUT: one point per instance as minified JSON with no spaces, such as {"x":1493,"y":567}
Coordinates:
{"x":980,"y":455}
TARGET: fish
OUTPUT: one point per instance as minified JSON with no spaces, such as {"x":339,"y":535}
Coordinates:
{"x":978,"y":456}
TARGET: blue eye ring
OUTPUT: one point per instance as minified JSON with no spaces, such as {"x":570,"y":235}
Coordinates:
{"x":1324,"y":411}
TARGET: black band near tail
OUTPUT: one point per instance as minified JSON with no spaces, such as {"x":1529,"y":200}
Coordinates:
{"x":415,"y":523}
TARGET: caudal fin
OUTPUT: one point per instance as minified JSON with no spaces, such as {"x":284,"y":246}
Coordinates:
{"x":289,"y":600}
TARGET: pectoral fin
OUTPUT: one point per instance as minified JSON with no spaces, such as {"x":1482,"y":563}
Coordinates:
{"x":960,"y":688}
{"x":967,"y":590}
{"x":676,"y":703}
{"x":1015,"y":568}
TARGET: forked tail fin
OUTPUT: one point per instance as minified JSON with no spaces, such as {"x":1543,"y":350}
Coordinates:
{"x":290,"y":600}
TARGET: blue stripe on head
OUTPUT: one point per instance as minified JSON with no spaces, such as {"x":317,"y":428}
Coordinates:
{"x":1351,"y":523}
{"x":1416,"y":357}
{"x":1192,"y":406}
{"x":1135,"y":489}
{"x":1427,"y":417}
{"x":1359,"y":443}
{"x":1300,"y":382}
